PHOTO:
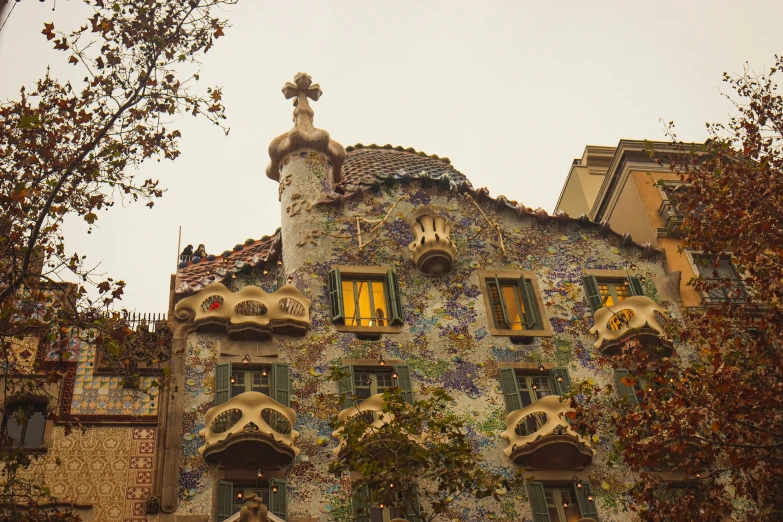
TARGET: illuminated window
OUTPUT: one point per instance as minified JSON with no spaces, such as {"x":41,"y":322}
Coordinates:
{"x":25,"y":421}
{"x":608,"y":292}
{"x":365,"y":300}
{"x":511,"y":302}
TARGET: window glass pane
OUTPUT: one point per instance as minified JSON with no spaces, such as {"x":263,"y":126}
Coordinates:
{"x":542,"y":385}
{"x":376,"y":514}
{"x":35,"y":426}
{"x":238,"y":386}
{"x":497,"y":307}
{"x":622,"y":290}
{"x":606,"y":294}
{"x":349,"y":303}
{"x":365,"y":307}
{"x":362,"y":385}
{"x":13,"y":427}
{"x":379,"y":302}
{"x":554,"y":514}
{"x":384,"y":381}
{"x":514,"y":308}
{"x":259,"y":381}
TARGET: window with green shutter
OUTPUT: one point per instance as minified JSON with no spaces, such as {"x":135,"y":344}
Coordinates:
{"x":628,"y":387}
{"x":522,"y":388}
{"x":512,"y":303}
{"x":561,"y":502}
{"x":271,"y":380}
{"x":365,"y":300}
{"x":231,"y":496}
{"x":610,"y":291}
{"x":362,"y":382}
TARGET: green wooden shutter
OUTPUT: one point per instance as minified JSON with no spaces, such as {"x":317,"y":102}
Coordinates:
{"x":336,"y":295}
{"x":278,"y":504}
{"x":623,"y":390}
{"x":561,"y":387}
{"x":535,"y":491}
{"x":508,"y":381}
{"x":591,"y":290}
{"x":280,"y":384}
{"x":225,"y":500}
{"x":532,"y":314}
{"x":346,"y":388}
{"x":414,"y":509}
{"x":635,"y":286}
{"x":222,"y":383}
{"x":404,"y":382}
{"x":360,"y":503}
{"x":498,"y":305}
{"x":587,"y":507}
{"x":394,"y":305}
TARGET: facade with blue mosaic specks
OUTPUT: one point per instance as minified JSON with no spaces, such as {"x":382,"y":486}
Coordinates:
{"x":493,"y":297}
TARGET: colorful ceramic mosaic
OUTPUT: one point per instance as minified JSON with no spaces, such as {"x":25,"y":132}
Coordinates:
{"x":445,"y":338}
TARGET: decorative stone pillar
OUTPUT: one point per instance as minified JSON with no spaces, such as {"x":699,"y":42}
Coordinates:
{"x":308,"y":165}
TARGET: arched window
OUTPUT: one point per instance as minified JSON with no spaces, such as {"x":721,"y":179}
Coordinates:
{"x":24,"y":421}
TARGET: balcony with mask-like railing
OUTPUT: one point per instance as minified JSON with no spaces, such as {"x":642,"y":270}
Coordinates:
{"x":370,"y":411}
{"x":540,"y":438}
{"x":248,"y":430}
{"x":631,"y":317}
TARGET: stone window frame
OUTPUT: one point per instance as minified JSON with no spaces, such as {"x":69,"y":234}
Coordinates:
{"x":245,"y":476}
{"x":51,"y":395}
{"x":530,"y":276}
{"x":378,"y":272}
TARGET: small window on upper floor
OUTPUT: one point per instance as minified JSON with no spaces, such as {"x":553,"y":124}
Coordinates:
{"x":24,"y":421}
{"x":609,"y":291}
{"x":513,"y":304}
{"x":365,"y":299}
{"x":722,"y":276}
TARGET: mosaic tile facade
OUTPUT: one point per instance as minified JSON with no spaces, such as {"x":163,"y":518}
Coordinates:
{"x":445,"y":338}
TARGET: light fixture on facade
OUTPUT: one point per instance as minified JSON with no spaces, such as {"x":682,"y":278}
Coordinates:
{"x":264,"y":373}
{"x":259,"y":473}
{"x":279,"y":263}
{"x":274,"y":489}
{"x":565,"y":505}
{"x":535,"y":386}
{"x":233,"y":380}
{"x":578,"y":482}
{"x":394,"y":374}
{"x":642,"y":279}
{"x":369,"y":381}
{"x":239,"y":495}
{"x":559,"y":378}
{"x":246,"y":359}
{"x":541,"y":367}
{"x":266,"y":272}
{"x":290,"y":280}
{"x":233,"y":276}
{"x":590,"y":498}
{"x":380,"y":505}
{"x":632,"y":266}
{"x":381,"y":362}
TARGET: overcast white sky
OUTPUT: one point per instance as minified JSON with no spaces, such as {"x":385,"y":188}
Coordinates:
{"x":511,"y":91}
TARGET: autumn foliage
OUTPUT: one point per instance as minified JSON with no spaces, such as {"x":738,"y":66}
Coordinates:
{"x":71,"y":149}
{"x":706,"y":432}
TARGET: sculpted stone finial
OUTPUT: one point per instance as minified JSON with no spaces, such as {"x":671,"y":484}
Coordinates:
{"x":304,"y":136}
{"x":253,"y":510}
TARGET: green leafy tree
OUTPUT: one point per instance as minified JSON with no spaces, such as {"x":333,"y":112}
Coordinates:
{"x":713,"y":420}
{"x":72,"y":149}
{"x":415,"y":458}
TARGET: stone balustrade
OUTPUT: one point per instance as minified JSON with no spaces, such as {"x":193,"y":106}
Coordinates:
{"x":550,"y":443}
{"x":248,"y":428}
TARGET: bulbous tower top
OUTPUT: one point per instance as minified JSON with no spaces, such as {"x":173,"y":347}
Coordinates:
{"x":304,"y":136}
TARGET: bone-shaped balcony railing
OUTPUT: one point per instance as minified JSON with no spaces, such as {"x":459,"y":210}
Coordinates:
{"x":251,"y":413}
{"x":632,"y":314}
{"x":370,"y":406}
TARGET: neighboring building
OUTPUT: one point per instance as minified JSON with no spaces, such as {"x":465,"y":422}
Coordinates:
{"x":629,"y":190}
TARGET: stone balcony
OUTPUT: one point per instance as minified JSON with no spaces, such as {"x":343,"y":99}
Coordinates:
{"x":432,"y":250}
{"x":540,"y":438}
{"x":249,"y":314}
{"x":372,"y":406}
{"x":249,"y":430}
{"x":633,"y":316}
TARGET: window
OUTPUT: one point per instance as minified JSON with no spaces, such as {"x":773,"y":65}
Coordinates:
{"x":561,"y":502}
{"x":25,"y":421}
{"x":362,"y":382}
{"x":628,"y":386}
{"x":231,"y":496}
{"x":609,"y":291}
{"x":512,"y":302}
{"x":365,"y":298}
{"x":521,"y":388}
{"x":368,"y":508}
{"x":233,"y":379}
{"x":725,"y":275}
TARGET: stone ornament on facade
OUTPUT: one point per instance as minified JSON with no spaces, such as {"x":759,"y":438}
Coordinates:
{"x":304,"y":136}
{"x":433,"y":251}
{"x":251,"y":312}
{"x":553,"y":446}
{"x":248,"y":418}
{"x":641,"y":316}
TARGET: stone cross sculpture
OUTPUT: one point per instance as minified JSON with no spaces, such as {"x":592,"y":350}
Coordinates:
{"x":304,"y":136}
{"x":253,"y":510}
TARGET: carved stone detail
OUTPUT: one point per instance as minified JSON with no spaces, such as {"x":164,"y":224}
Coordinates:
{"x":433,"y":251}
{"x":555,"y":445}
{"x":249,"y":429}
{"x":641,"y":318}
{"x":285,"y":311}
{"x":304,"y":136}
